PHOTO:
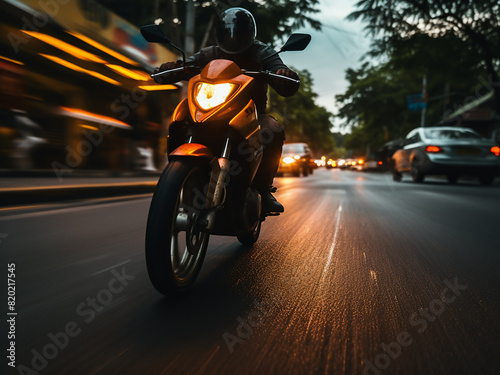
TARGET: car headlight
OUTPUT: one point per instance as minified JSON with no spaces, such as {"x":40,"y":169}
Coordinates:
{"x":209,"y":96}
{"x":288,"y":160}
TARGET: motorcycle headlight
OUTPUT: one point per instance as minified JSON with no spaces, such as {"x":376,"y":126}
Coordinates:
{"x":209,"y":96}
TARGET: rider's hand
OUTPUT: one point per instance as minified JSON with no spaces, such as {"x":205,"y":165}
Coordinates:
{"x":287,"y":73}
{"x":166,"y":66}
{"x":285,"y":87}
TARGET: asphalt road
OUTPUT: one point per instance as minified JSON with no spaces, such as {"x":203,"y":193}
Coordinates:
{"x":361,"y":275}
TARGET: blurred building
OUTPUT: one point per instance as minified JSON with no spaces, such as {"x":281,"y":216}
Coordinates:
{"x":75,"y":88}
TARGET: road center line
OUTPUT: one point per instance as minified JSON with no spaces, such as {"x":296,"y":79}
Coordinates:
{"x":334,"y":243}
{"x":110,"y":268}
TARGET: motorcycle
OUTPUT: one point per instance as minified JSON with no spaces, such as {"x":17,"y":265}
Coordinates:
{"x":205,"y":188}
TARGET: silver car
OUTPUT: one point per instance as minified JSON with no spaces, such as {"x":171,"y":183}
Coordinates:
{"x":447,"y":151}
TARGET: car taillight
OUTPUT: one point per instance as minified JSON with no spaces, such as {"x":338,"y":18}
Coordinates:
{"x":434,"y":149}
{"x":495,"y":150}
{"x":380,"y":163}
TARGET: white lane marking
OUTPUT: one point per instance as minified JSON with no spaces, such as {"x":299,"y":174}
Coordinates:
{"x":110,"y":268}
{"x":334,"y":243}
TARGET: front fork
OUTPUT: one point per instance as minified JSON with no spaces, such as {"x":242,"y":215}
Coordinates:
{"x":217,"y":188}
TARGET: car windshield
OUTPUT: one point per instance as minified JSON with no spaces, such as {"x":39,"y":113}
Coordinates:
{"x":450,"y":134}
{"x":291,"y":148}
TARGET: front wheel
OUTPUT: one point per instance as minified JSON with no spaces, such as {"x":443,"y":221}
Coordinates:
{"x":175,"y":242}
{"x":248,"y":239}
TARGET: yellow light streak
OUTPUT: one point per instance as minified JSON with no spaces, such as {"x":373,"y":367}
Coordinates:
{"x":128,"y":73}
{"x":90,"y":127}
{"x":77,"y":68}
{"x":89,"y":116}
{"x":66,"y":47}
{"x":11,"y":60}
{"x":103,"y":48}
{"x":158,"y":87}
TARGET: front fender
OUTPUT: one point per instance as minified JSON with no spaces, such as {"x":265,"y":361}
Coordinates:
{"x":191,"y":150}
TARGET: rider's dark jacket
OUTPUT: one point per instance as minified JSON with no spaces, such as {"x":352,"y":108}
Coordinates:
{"x":252,"y":59}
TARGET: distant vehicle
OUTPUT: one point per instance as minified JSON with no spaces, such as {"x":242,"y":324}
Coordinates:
{"x":451,"y":151}
{"x":346,"y":163}
{"x":373,"y":165}
{"x":358,"y":164}
{"x":296,"y":158}
{"x":320,"y":163}
{"x":341,"y":163}
{"x":331,"y":164}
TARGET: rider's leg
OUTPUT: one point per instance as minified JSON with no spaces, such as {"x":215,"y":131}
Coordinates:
{"x":273,"y":136}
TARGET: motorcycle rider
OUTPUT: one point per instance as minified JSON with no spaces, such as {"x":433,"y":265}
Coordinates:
{"x":235,"y":36}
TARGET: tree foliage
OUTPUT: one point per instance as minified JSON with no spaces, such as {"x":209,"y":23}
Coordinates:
{"x":455,"y":44}
{"x":275,"y":19}
{"x":304,"y":120}
{"x":475,"y":23}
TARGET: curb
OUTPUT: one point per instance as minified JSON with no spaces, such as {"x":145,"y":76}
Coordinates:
{"x":46,"y":194}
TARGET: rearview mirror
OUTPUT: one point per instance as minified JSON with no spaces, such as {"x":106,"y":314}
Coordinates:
{"x":154,"y":34}
{"x":296,"y":42}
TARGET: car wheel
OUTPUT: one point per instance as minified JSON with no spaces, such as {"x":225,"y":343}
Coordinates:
{"x":486,"y":179}
{"x":396,"y":176}
{"x":416,"y":174}
{"x":452,"y":178}
{"x":305,"y":171}
{"x":296,"y":172}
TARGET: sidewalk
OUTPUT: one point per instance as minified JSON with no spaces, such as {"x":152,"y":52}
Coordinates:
{"x":43,"y":186}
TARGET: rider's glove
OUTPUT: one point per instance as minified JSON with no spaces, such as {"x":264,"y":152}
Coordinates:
{"x":169,"y":78}
{"x":285,"y":87}
{"x":287,"y":73}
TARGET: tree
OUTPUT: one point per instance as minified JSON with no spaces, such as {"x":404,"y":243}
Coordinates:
{"x":275,"y":19}
{"x":374,"y":107}
{"x":476,"y":23}
{"x":304,"y":120}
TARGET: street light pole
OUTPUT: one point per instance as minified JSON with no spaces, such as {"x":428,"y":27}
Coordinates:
{"x":424,"y":93}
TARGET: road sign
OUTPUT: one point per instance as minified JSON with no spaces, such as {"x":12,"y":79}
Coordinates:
{"x":416,"y":102}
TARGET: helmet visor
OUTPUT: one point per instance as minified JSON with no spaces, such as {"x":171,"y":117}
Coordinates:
{"x":236,"y":31}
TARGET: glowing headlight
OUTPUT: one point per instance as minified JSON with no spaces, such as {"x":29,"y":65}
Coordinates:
{"x":288,"y":160}
{"x":209,"y":96}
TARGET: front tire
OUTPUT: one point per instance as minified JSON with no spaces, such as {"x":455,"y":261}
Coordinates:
{"x":248,"y":239}
{"x":175,"y":243}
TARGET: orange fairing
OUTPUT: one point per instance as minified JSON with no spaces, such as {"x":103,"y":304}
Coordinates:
{"x":214,"y":91}
{"x":181,"y":111}
{"x":246,"y":121}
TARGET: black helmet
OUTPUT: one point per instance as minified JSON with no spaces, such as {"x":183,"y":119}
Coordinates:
{"x":236,"y":30}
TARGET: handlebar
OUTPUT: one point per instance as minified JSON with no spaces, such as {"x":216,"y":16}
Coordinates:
{"x":159,"y":74}
{"x":183,"y":69}
{"x":269,"y":74}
